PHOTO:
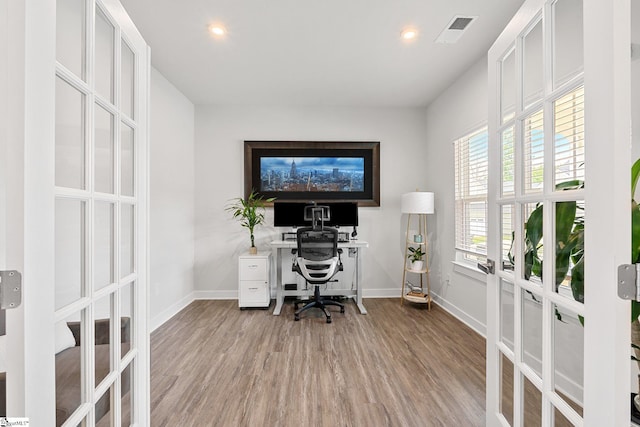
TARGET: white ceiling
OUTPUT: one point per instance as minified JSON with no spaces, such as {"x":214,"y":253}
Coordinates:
{"x":314,"y":52}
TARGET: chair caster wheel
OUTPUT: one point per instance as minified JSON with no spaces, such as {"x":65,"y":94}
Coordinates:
{"x":296,"y":318}
{"x":328,"y":320}
{"x":341,"y":309}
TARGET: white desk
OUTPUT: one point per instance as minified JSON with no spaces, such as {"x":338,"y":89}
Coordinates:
{"x":279,"y":245}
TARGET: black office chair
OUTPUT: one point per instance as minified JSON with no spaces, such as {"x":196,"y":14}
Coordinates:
{"x":317,"y":260}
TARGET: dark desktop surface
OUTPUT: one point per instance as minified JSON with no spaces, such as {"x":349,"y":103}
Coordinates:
{"x":291,"y":214}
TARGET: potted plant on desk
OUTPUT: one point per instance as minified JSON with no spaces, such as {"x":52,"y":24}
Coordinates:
{"x":249,"y":212}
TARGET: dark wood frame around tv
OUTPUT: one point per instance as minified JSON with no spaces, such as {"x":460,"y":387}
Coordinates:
{"x":369,"y":151}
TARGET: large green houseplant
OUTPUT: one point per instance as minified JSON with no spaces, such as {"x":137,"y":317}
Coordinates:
{"x":570,"y":248}
{"x":570,"y":242}
{"x":250,"y":213}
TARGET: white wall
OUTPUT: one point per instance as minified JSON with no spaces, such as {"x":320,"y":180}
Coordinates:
{"x":220,"y":133}
{"x":458,"y":110}
{"x":171,"y":200}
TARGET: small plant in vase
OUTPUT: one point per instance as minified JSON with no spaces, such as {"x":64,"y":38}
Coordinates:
{"x":250,"y":213}
{"x":415,"y":256}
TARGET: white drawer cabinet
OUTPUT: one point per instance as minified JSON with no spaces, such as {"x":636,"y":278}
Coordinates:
{"x":254,"y":288}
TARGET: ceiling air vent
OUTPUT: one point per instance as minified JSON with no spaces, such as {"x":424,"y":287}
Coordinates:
{"x":454,"y":30}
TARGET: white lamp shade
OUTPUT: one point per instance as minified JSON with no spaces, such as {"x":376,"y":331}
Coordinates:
{"x":417,"y":202}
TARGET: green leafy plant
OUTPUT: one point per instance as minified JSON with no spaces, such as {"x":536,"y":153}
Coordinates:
{"x":570,"y":247}
{"x":635,"y":233}
{"x":415,"y":254}
{"x":249,"y":212}
{"x":569,"y":241}
{"x":635,"y":258}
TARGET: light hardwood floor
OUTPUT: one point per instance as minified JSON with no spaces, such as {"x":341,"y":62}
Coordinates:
{"x":214,"y":365}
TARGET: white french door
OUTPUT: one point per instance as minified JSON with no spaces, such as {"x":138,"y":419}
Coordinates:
{"x":559,"y":218}
{"x":11,"y":208}
{"x":84,"y":220}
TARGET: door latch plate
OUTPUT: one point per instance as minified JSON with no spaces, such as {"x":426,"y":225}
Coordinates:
{"x":10,"y":289}
{"x":628,"y":281}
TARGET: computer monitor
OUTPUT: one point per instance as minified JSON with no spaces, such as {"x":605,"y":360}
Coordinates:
{"x":292,"y":214}
{"x":289,"y":214}
{"x":342,"y":214}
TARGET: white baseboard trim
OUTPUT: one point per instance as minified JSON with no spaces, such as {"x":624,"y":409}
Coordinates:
{"x":382,"y":293}
{"x":228,"y":294}
{"x":170,"y":311}
{"x":462,"y":316}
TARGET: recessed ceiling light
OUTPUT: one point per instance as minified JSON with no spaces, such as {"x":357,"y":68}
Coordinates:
{"x":217,"y":30}
{"x":409,"y":34}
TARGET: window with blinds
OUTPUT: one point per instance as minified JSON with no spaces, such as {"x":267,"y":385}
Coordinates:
{"x":471,"y":180}
{"x":568,"y":153}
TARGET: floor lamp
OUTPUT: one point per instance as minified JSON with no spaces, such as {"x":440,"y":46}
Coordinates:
{"x":418,"y":204}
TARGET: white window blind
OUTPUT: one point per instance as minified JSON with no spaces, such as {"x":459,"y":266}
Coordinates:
{"x":471,"y":175}
{"x":569,"y":137}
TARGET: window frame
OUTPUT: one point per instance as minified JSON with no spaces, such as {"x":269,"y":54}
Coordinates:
{"x":463,"y":196}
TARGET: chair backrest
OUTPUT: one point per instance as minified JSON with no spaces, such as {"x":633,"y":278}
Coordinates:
{"x":317,"y":245}
{"x":317,"y":258}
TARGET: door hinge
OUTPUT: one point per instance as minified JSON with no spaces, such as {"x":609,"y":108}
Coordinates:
{"x":488,"y":267}
{"x":10,"y":289}
{"x":628,"y":281}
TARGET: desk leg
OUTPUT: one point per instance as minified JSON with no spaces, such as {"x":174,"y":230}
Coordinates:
{"x":279,"y":288}
{"x":358,"y":282}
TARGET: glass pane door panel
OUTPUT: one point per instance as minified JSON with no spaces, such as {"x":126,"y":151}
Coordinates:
{"x":508,"y":85}
{"x":508,"y":163}
{"x":533,"y":242}
{"x":568,"y":155}
{"x":104,"y":409}
{"x":127,"y":93}
{"x":70,"y":35}
{"x":568,"y":363}
{"x":126,"y":386}
{"x":70,"y":392}
{"x":508,"y":234}
{"x":560,"y":420}
{"x":569,"y":248}
{"x":127,"y":160}
{"x":506,"y":388}
{"x":70,"y":238}
{"x":126,"y":240}
{"x":532,"y":331}
{"x":533,"y":147}
{"x":103,"y":241}
{"x":506,"y":313}
{"x":532,"y":75}
{"x":103,"y":312}
{"x":127,"y":320}
{"x":568,"y":40}
{"x":104,"y":155}
{"x":532,"y":416}
{"x":104,"y":54}
{"x":70,"y":136}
